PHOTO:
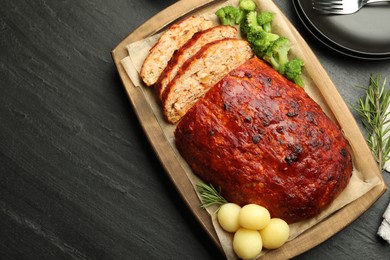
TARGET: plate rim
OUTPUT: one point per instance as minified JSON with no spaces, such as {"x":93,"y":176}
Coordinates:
{"x":164,"y":151}
{"x":324,"y":39}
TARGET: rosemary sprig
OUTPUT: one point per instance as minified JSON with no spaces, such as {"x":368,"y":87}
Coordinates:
{"x":209,"y":195}
{"x":374,"y":110}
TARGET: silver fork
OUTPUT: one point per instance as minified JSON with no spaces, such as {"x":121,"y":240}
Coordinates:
{"x":341,"y":6}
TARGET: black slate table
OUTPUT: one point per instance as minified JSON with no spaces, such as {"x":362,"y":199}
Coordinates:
{"x":78,"y":178}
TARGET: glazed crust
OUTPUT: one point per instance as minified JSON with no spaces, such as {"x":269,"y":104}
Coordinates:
{"x":263,"y":140}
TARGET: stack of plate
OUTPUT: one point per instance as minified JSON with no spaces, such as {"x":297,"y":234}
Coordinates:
{"x":364,"y":34}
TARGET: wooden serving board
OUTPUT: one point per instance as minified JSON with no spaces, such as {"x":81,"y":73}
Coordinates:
{"x":363,"y":159}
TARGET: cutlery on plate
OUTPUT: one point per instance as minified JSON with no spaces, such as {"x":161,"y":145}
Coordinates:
{"x":341,"y":6}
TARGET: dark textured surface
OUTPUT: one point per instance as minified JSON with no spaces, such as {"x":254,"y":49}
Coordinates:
{"x":78,"y":179}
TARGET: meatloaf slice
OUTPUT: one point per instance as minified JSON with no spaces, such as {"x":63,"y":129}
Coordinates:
{"x":171,"y":40}
{"x":198,"y":74}
{"x":263,"y":140}
{"x":189,"y":49}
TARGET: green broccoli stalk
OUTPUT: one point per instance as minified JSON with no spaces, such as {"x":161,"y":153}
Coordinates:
{"x":247,"y":5}
{"x":260,"y":41}
{"x":230,"y":15}
{"x":277,"y":53}
{"x":264,"y":19}
{"x":293,"y":71}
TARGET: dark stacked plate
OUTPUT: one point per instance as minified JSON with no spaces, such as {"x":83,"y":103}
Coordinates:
{"x":364,"y":34}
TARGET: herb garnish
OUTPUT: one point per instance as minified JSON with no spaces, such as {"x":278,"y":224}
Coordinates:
{"x":210,"y":195}
{"x":374,"y":110}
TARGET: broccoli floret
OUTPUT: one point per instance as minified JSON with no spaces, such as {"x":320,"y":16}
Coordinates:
{"x":293,"y":71}
{"x":230,"y":15}
{"x":264,"y":19}
{"x":256,"y":22}
{"x":247,"y":5}
{"x":277,"y":53}
{"x":260,"y":41}
{"x":249,"y":23}
{"x":251,"y":18}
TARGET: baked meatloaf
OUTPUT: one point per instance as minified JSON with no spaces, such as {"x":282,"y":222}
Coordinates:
{"x":263,"y":140}
{"x":202,"y":71}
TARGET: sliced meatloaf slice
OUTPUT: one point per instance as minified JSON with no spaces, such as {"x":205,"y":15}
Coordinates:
{"x":198,"y":74}
{"x":171,"y":40}
{"x":189,"y":49}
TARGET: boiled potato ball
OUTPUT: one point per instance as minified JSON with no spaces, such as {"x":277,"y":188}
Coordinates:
{"x":247,"y":243}
{"x":275,"y":234}
{"x":228,"y":217}
{"x":253,"y":216}
{"x":253,"y":227}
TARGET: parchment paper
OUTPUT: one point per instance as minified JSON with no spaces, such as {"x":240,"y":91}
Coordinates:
{"x":359,"y":184}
